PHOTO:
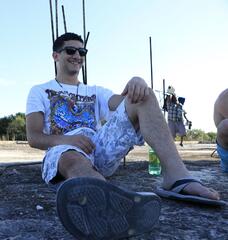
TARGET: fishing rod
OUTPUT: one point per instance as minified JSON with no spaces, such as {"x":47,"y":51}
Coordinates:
{"x":52,"y":30}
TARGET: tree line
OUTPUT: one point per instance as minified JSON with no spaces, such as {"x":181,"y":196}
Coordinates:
{"x":13,"y":128}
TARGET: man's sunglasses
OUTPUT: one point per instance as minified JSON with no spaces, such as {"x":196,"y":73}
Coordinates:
{"x":72,"y":50}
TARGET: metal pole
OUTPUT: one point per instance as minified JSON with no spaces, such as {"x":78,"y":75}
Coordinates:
{"x":164,"y":93}
{"x":52,"y":30}
{"x":87,"y":37}
{"x":84,"y":23}
{"x":64,"y":19}
{"x":83,"y":74}
{"x":151,"y":66}
{"x":56,"y":18}
{"x":84,"y":68}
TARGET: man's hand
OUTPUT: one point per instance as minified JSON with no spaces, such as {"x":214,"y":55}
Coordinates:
{"x":82,"y":142}
{"x":38,"y":139}
{"x":136,"y":90}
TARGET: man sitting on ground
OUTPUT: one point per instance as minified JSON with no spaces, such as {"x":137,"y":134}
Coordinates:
{"x":63,"y":117}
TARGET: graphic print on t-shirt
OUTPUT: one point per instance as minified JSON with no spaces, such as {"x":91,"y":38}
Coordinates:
{"x":70,"y":111}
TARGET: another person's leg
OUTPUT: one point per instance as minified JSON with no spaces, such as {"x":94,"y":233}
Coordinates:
{"x":182,"y":132}
{"x":181,"y":141}
{"x":222,"y":143}
{"x":148,"y":117}
{"x":172,"y":128}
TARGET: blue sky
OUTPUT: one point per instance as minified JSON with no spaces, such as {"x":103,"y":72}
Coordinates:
{"x":189,"y":42}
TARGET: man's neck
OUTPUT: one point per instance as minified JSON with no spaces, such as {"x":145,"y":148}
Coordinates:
{"x":71,"y":80}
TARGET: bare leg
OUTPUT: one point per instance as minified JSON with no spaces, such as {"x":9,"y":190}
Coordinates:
{"x":73,"y":164}
{"x":148,"y":116}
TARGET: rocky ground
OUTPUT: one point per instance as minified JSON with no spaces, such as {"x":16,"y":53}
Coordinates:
{"x":27,"y":205}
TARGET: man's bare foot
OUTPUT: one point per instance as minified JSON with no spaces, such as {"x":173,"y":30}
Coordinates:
{"x":198,"y":189}
{"x":195,"y":188}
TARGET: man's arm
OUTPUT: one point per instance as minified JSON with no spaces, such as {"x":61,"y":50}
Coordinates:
{"x":184,"y":114}
{"x":37,"y":139}
{"x":136,"y":91}
{"x":185,"y":117}
{"x":114,"y":101}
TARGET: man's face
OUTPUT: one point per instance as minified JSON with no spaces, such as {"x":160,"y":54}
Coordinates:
{"x":69,"y":59}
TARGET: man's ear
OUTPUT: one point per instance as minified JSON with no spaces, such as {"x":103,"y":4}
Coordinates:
{"x":55,"y":56}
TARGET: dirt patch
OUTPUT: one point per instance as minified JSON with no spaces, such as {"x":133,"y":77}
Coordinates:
{"x":18,"y":152}
{"x":11,"y":151}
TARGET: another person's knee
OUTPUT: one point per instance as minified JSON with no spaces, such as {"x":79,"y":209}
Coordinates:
{"x":222,"y":128}
{"x":222,"y":133}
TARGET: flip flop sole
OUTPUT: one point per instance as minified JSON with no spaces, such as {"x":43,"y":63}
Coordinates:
{"x":93,"y":209}
{"x":189,"y":198}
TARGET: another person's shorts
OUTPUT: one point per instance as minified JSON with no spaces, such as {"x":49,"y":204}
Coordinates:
{"x":113,"y":141}
{"x":223,"y":154}
{"x":177,"y":128}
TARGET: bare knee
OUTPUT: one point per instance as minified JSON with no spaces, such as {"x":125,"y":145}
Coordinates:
{"x":74,"y":164}
{"x":71,"y":161}
{"x":133,"y":109}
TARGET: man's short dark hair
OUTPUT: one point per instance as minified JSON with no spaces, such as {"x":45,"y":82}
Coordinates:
{"x":59,"y":42}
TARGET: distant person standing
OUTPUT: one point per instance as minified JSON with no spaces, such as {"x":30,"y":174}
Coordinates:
{"x":221,"y":122}
{"x":181,"y":113}
{"x":175,"y":110}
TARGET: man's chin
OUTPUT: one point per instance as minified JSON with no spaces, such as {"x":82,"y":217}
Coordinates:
{"x":74,"y":72}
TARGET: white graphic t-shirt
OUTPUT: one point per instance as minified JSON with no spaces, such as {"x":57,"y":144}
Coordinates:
{"x":68,"y":107}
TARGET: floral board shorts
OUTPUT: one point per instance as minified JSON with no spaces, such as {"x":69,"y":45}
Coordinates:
{"x":113,"y":141}
{"x":223,"y":154}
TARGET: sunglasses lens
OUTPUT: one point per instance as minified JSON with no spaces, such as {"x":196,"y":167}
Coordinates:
{"x":70,"y":51}
{"x":82,"y":52}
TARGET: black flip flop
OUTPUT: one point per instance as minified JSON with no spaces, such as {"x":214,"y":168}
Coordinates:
{"x":176,"y":193}
{"x":92,"y":209}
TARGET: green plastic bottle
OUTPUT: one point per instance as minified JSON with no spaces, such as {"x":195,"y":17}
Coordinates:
{"x":154,"y":167}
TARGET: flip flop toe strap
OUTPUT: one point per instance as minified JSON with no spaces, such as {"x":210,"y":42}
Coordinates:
{"x":179,"y":185}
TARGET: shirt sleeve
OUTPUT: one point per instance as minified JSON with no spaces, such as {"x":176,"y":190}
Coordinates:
{"x":35,"y":101}
{"x":104,"y":95}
